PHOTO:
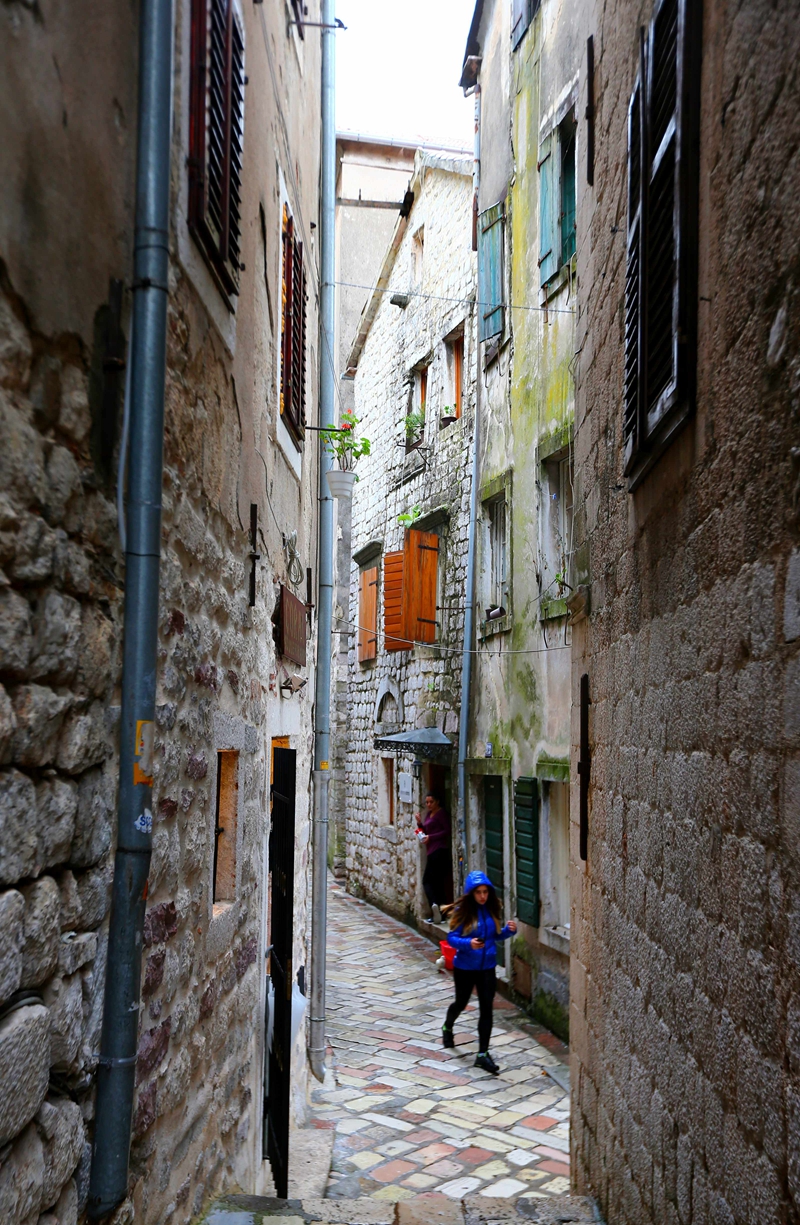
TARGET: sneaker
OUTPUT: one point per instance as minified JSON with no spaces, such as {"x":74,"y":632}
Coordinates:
{"x":447,"y":1038}
{"x":486,"y":1062}
{"x":428,"y":921}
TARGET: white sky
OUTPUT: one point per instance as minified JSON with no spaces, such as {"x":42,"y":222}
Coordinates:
{"x":398,"y":67}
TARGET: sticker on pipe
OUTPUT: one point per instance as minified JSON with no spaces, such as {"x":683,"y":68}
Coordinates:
{"x":144,"y":822}
{"x":143,"y":753}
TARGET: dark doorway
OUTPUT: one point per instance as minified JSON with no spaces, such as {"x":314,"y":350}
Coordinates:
{"x":438,"y":782}
{"x":281,"y":861}
{"x":493,"y":830}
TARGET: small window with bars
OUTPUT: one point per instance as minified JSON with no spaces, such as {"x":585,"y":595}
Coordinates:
{"x":293,"y":332}
{"x":660,"y":335}
{"x":216,"y":137}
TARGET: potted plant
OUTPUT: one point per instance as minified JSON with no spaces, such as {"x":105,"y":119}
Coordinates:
{"x":415,"y":429}
{"x":346,"y":448}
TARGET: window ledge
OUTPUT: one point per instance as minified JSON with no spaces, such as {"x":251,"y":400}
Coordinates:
{"x":550,"y":610}
{"x":489,"y":629}
{"x":556,"y":938}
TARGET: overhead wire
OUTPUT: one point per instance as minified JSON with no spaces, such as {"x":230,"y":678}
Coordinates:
{"x":436,"y":297}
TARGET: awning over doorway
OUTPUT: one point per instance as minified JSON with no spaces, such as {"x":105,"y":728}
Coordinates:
{"x":427,"y":742}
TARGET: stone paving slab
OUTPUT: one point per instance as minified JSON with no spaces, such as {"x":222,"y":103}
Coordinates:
{"x":411,"y":1119}
{"x":426,"y":1209}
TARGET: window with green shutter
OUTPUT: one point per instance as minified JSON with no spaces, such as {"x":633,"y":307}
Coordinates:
{"x":490,"y":271}
{"x":549,"y":229}
{"x":493,"y":831}
{"x":526,"y":844}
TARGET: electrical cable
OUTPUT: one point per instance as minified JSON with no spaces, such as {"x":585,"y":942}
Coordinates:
{"x":414,"y":293}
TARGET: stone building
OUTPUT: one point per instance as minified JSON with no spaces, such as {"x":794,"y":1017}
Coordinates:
{"x":373,"y":175}
{"x":237,"y":537}
{"x":412,"y":361}
{"x":685,"y":937}
{"x":524,"y":66}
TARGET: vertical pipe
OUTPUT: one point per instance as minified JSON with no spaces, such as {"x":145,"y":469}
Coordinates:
{"x":322,"y":704}
{"x":469,"y":612}
{"x":117,"y":1065}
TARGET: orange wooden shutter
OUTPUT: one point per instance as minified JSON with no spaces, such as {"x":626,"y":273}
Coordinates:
{"x":422,"y":571}
{"x":393,"y":603}
{"x":368,"y":614}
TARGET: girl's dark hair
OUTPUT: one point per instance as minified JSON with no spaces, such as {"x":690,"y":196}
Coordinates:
{"x":464,"y":913}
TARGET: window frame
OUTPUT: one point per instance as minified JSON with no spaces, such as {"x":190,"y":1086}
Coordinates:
{"x":220,"y":244}
{"x":293,"y":363}
{"x":552,"y":481}
{"x":491,"y":273}
{"x":494,"y":491}
{"x":408,"y":589}
{"x":553,"y":143}
{"x":663,"y":216}
{"x":368,"y":601}
{"x":454,"y":364}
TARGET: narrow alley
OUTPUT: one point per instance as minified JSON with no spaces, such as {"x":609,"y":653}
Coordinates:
{"x":411,"y":1117}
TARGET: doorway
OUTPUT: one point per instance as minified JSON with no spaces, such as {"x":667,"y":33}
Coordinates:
{"x":438,"y":781}
{"x":281,"y":862}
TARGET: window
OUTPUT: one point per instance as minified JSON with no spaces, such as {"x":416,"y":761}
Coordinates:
{"x":521,"y":13}
{"x":557,"y":199}
{"x":386,"y":791}
{"x":227,"y":811}
{"x":498,"y":551}
{"x":454,"y":353}
{"x":556,"y":899}
{"x":491,"y":280}
{"x":410,"y":588}
{"x":661,"y":276}
{"x":216,"y":132}
{"x":526,"y":844}
{"x":293,"y":332}
{"x":298,"y":12}
{"x":556,"y":524}
{"x":421,"y":391}
{"x":368,"y":615}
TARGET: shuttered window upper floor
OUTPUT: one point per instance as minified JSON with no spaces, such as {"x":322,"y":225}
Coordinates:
{"x":410,"y":588}
{"x":216,"y":138}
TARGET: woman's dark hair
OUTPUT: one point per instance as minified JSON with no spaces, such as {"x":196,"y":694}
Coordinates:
{"x":465,"y":911}
{"x":433,"y":796}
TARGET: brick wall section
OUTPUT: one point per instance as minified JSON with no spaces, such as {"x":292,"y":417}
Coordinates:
{"x":686,"y":929}
{"x":382,"y":862}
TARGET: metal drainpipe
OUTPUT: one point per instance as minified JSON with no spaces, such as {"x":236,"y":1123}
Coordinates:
{"x":117,"y":1065}
{"x":469,"y":613}
{"x":322,"y":701}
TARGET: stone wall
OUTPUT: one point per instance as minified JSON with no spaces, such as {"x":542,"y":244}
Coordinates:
{"x":383,"y":861}
{"x":686,"y":930}
{"x":197,"y":1124}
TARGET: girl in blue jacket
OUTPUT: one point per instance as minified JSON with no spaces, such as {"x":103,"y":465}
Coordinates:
{"x":475,"y":928}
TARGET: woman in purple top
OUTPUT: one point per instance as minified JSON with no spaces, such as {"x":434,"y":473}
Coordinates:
{"x":436,"y":830}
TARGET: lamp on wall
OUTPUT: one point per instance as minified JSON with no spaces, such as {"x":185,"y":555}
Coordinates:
{"x":416,"y":767}
{"x":495,"y":613}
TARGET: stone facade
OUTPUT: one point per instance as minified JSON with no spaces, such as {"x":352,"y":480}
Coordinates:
{"x":684,"y":1013}
{"x":373,"y":176}
{"x":199,"y":1101}
{"x":432,"y":266}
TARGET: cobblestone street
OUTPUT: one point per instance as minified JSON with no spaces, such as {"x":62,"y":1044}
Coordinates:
{"x":410,"y":1117}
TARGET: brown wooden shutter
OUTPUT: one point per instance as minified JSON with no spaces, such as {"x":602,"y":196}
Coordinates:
{"x":393,"y":603}
{"x":421,"y":568}
{"x":661,"y":281}
{"x":293,"y":331}
{"x":216,"y":134}
{"x":368,"y":614}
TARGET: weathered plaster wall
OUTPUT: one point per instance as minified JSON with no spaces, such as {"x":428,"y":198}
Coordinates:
{"x":685,"y":987}
{"x":384,"y":862}
{"x":197,"y":1124}
{"x":521,"y":696}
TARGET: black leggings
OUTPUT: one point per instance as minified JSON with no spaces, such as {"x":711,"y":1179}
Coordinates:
{"x":434,"y":878}
{"x":484,"y":981}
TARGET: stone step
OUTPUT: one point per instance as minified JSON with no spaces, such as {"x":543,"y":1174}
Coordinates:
{"x":421,"y":1210}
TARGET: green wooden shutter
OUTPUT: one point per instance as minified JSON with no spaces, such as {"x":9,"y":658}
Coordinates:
{"x":490,"y":271}
{"x":549,"y":229}
{"x":493,"y":830}
{"x":526,"y":843}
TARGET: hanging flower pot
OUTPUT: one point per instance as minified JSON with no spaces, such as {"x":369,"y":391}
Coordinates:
{"x":346,"y":449}
{"x":340,"y":483}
